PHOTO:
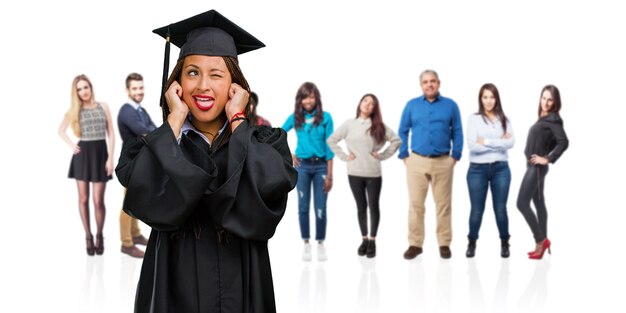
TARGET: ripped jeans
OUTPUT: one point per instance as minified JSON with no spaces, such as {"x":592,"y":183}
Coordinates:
{"x":312,"y":173}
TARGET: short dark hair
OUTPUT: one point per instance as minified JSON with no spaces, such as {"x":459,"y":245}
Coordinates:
{"x":133,"y":76}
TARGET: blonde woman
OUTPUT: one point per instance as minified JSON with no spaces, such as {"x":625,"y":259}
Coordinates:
{"x":92,"y":161}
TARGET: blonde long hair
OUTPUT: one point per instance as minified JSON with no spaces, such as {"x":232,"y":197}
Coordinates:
{"x":76,"y":104}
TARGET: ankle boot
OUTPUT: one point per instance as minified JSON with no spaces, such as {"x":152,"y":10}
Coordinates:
{"x":99,"y":244}
{"x":471,"y":249}
{"x":363,"y":247}
{"x":91,"y":250}
{"x":504,"y":252}
{"x":371,"y":249}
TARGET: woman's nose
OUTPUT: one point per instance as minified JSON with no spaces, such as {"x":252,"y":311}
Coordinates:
{"x":204,"y":83}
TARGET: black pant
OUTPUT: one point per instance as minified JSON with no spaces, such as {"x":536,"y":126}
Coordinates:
{"x":370,"y":185}
{"x":532,"y":188}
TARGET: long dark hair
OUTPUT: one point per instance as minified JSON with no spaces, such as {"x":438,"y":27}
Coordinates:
{"x":304,"y":91}
{"x":253,"y":118}
{"x":497,"y":108}
{"x":556,"y":100}
{"x":377,"y":130}
{"x":237,"y":77}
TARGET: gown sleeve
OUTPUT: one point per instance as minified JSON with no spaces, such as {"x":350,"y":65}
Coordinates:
{"x":252,"y":200}
{"x":163,"y":187}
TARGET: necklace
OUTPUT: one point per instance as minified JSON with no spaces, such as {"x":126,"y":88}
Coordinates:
{"x":205,"y":132}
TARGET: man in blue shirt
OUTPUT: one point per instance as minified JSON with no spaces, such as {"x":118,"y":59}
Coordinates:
{"x":434,"y":123}
{"x":133,"y":121}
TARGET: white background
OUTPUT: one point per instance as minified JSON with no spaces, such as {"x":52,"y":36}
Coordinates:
{"x":348,"y":49}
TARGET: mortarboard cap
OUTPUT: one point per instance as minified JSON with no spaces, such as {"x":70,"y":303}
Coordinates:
{"x":208,"y":33}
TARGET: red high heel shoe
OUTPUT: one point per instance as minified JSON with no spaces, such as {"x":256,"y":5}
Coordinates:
{"x":544,"y":246}
{"x":533,"y":252}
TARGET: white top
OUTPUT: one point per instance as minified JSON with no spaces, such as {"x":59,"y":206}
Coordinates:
{"x":359,"y":141}
{"x":134,"y":104}
{"x":495,"y":147}
{"x":187,"y":126}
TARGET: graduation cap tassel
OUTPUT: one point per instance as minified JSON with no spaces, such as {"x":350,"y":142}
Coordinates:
{"x":166,"y":68}
{"x":209,"y":34}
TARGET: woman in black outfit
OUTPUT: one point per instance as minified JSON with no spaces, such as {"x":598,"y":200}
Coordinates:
{"x":545,"y":144}
{"x":212,"y":187}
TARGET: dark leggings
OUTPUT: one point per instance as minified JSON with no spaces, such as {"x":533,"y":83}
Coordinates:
{"x":532,"y":189}
{"x":360,"y":187}
{"x":98,"y":203}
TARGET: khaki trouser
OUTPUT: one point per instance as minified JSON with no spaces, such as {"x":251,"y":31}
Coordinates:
{"x":421,"y":171}
{"x":129,"y":228}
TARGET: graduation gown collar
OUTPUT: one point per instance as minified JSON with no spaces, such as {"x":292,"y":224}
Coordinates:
{"x":187,"y":126}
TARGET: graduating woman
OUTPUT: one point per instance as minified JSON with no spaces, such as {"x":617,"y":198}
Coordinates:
{"x":212,"y":187}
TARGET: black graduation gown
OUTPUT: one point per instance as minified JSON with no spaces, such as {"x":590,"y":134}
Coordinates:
{"x":211,"y":216}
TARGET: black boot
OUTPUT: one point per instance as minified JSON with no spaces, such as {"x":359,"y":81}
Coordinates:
{"x":363,"y":247}
{"x":471,"y":249}
{"x":371,"y":249}
{"x":505,"y":248}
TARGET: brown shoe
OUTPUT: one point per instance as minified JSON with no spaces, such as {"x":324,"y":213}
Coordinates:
{"x":133,"y":251}
{"x":412,"y":252}
{"x":445,"y":252}
{"x":140,"y":240}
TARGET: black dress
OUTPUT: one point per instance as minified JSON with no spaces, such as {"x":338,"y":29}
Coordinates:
{"x":90,"y":164}
{"x":211,"y":214}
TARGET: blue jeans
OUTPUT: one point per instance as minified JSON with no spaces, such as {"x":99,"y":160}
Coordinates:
{"x":312,"y":173}
{"x":480,"y":177}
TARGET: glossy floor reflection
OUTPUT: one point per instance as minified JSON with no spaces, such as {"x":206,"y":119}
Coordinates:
{"x":388,"y":283}
{"x":53,"y":273}
{"x":68,"y":280}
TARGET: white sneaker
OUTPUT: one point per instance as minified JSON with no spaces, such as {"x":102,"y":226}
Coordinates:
{"x":321,"y":253}
{"x":306,"y":254}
